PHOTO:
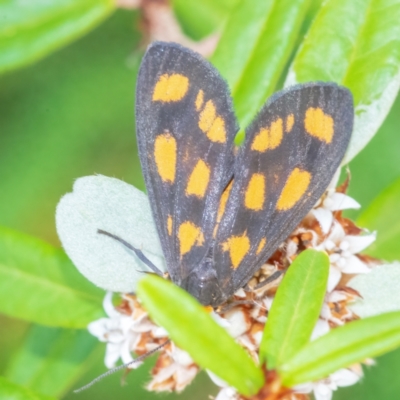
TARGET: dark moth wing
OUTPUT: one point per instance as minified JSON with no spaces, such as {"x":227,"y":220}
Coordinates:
{"x":291,"y":152}
{"x":185,"y":130}
{"x":215,"y":240}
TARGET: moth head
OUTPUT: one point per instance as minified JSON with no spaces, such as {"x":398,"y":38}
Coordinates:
{"x":203,"y":284}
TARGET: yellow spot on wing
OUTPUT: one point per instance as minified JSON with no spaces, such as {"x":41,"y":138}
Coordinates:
{"x":238,"y":246}
{"x":169,"y":225}
{"x":198,"y":180}
{"x":170,"y":88}
{"x":207,"y":116}
{"x":165,"y":156}
{"x":224,"y":200}
{"x":294,"y":189}
{"x":289,"y":123}
{"x":212,"y":124}
{"x":255,"y":192}
{"x":261,"y":245}
{"x":217,"y":132}
{"x":268,"y":138}
{"x":222,"y":205}
{"x":199,"y":100}
{"x":189,"y":234}
{"x":319,"y":124}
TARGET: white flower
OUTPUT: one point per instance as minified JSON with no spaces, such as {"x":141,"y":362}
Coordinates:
{"x":321,"y":328}
{"x":324,"y":388}
{"x":342,"y":249}
{"x":182,"y":370}
{"x":227,"y":393}
{"x":333,"y":201}
{"x":117,"y":332}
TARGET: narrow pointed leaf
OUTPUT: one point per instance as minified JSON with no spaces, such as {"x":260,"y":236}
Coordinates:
{"x":51,"y":360}
{"x":38,"y":283}
{"x":253,"y":60}
{"x":192,"y":328}
{"x":295,"y":308}
{"x":357,"y":44}
{"x":32,"y":29}
{"x":342,"y":347}
{"x":12,"y":391}
{"x":380,"y":216}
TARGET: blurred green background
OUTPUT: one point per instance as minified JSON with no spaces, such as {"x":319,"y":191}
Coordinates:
{"x":70,"y":115}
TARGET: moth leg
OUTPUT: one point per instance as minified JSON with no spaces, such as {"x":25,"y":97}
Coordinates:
{"x":229,"y":306}
{"x":138,"y":252}
{"x":272,"y":278}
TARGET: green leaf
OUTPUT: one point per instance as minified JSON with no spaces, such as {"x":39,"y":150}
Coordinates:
{"x":67,"y":111}
{"x":295,"y":308}
{"x":357,"y":44}
{"x":377,"y":166}
{"x":32,"y":29}
{"x":255,"y":46}
{"x":38,"y":283}
{"x":192,"y":328}
{"x":342,"y":347}
{"x":11,"y":391}
{"x":51,"y":360}
{"x":380,"y":381}
{"x":380,"y":216}
{"x":202,"y":18}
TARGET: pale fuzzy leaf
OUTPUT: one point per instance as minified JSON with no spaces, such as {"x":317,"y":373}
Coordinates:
{"x":379,"y":290}
{"x":100,"y":202}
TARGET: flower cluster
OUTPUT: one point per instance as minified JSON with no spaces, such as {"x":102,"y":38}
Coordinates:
{"x":128,"y":328}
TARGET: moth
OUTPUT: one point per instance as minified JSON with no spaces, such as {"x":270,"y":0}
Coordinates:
{"x":221,"y":213}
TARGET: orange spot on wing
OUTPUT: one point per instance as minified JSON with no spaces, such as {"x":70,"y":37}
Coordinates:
{"x":169,"y":225}
{"x":319,"y":124}
{"x":238,"y":247}
{"x":165,"y":156}
{"x":294,"y":189}
{"x":207,"y":116}
{"x":198,"y":180}
{"x":261,"y":245}
{"x":222,"y":205}
{"x":268,"y":138}
{"x":212,"y":124}
{"x":289,"y":123}
{"x":189,"y":235}
{"x":255,"y":192}
{"x":199,"y":100}
{"x":170,"y":88}
{"x":217,"y":132}
{"x":224,"y":200}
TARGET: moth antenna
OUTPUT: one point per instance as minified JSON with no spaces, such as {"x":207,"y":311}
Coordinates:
{"x":138,"y":252}
{"x":115,"y":369}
